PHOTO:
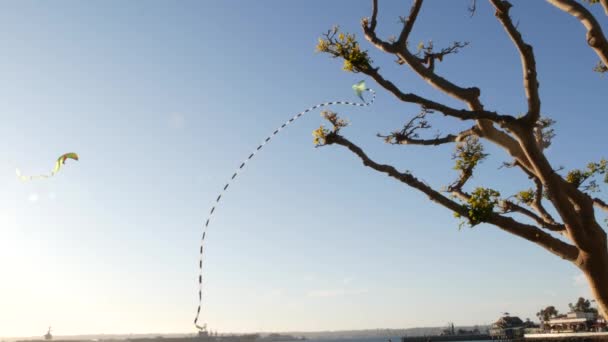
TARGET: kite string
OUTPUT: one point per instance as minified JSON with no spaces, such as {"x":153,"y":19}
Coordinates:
{"x":219,"y":197}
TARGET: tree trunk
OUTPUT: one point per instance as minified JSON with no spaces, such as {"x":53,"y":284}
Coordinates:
{"x":594,"y":265}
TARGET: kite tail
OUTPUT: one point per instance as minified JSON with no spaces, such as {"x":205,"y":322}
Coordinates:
{"x":240,"y":168}
{"x":24,"y":178}
{"x":60,"y":161}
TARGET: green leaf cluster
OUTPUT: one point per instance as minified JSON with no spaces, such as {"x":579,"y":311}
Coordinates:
{"x":346,"y":46}
{"x":320,"y":134}
{"x":545,"y":132}
{"x":335,"y":120}
{"x":525,"y":196}
{"x":577,"y":176}
{"x":480,"y":205}
{"x":468,"y":154}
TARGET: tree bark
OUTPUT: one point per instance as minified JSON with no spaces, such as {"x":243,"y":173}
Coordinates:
{"x":595,"y":268}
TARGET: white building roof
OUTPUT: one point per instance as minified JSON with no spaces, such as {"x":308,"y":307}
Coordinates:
{"x":567,"y":320}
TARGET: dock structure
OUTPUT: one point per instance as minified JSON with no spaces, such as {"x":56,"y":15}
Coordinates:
{"x":568,"y":337}
{"x":447,"y":338}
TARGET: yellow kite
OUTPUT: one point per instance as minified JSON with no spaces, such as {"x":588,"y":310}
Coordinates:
{"x":60,"y":161}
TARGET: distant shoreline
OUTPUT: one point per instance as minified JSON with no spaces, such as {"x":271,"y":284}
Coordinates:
{"x":316,"y":335}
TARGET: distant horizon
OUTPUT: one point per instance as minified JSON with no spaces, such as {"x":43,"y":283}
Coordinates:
{"x":344,"y":331}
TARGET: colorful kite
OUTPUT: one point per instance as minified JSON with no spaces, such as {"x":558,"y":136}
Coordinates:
{"x":359,"y":88}
{"x":60,"y":161}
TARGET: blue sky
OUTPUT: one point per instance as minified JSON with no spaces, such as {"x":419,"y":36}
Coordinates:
{"x":162,"y":100}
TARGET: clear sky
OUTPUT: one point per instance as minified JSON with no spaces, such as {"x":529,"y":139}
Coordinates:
{"x":162,"y":100}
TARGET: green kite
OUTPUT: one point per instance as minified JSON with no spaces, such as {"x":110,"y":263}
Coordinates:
{"x":359,"y":88}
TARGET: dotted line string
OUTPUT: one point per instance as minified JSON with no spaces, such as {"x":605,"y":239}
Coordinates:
{"x":236,"y":173}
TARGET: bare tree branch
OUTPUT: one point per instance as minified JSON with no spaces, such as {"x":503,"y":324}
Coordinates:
{"x":595,"y":36}
{"x":528,"y":62}
{"x":372,"y":25}
{"x":430,"y":56}
{"x":472,"y":8}
{"x":508,"y":224}
{"x":461,"y":114}
{"x":408,"y":135}
{"x":512,"y":207}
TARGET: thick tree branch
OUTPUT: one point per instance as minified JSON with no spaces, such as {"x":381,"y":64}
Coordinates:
{"x":531,"y":233}
{"x":573,"y":206}
{"x":369,"y":30}
{"x":528,"y":232}
{"x":450,"y":138}
{"x":552,"y":226}
{"x":528,"y":62}
{"x":430,"y":56}
{"x":469,"y":95}
{"x":461,"y":114}
{"x":601,"y":204}
{"x":456,"y":187}
{"x":408,"y":24}
{"x":595,"y":36}
{"x":537,"y":203}
{"x":604,"y":5}
{"x":506,"y":205}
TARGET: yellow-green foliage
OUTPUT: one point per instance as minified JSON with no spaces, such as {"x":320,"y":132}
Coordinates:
{"x":343,"y":45}
{"x":575,"y":177}
{"x":335,"y":120}
{"x":600,"y":67}
{"x":578,"y":177}
{"x":319,"y":135}
{"x":480,"y":205}
{"x":468,"y":154}
{"x":525,"y":196}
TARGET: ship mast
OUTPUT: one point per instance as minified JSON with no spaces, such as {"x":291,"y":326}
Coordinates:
{"x":48,"y":335}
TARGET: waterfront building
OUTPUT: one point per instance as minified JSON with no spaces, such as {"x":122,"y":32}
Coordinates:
{"x":576,"y":322}
{"x":508,"y":328}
